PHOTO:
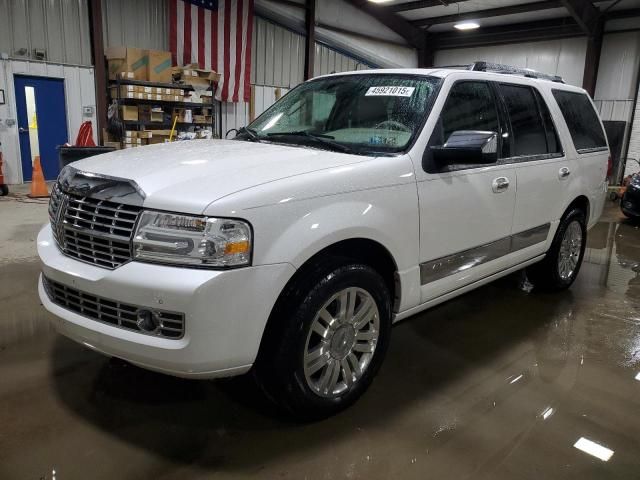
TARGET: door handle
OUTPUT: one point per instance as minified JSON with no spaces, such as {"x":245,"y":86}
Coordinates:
{"x":500,"y":184}
{"x":23,"y":130}
{"x":564,"y":172}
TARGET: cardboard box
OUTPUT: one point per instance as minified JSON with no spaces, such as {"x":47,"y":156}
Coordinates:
{"x":116,"y":145}
{"x":145,"y":134}
{"x":130,"y":134}
{"x":129,"y":113}
{"x":159,"y":67}
{"x":192,"y":75}
{"x":125,"y":75}
{"x":159,"y":136}
{"x":127,"y":60}
{"x":157,"y":115}
{"x":126,"y":91}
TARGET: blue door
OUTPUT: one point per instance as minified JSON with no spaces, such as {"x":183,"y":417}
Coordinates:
{"x":42,"y":123}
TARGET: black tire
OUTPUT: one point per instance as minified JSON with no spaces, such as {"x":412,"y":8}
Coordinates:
{"x":545,"y":275}
{"x":279,"y":370}
{"x":4,"y":190}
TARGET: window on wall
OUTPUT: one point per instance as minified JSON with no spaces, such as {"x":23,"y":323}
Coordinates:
{"x":582,"y":120}
{"x":529,"y":136}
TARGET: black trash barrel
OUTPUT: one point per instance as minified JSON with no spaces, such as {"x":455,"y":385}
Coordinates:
{"x":66,"y":155}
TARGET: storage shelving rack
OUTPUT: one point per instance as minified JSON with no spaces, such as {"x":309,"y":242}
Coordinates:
{"x":164,"y":104}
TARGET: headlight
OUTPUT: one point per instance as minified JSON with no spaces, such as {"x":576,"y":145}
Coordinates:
{"x":192,"y":241}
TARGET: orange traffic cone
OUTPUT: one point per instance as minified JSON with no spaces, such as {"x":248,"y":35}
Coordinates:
{"x":38,"y":185}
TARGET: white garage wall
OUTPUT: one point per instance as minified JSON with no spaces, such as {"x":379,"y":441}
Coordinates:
{"x":634,"y":143}
{"x":61,"y":27}
{"x":79,"y":88}
{"x":236,"y":115}
{"x":563,"y":57}
{"x":137,"y":23}
{"x":617,"y":75}
{"x":277,"y":55}
{"x":384,"y":52}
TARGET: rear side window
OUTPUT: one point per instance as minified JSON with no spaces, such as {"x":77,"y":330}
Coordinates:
{"x":529,"y":134}
{"x":582,"y":120}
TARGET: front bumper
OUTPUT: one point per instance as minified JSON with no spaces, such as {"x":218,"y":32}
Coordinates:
{"x":225,"y":311}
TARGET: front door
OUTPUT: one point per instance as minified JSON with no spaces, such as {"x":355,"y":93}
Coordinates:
{"x":42,"y":123}
{"x":466,"y":211}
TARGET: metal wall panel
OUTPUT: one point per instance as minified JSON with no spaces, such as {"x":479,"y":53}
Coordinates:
{"x":634,"y":142}
{"x":139,"y":23}
{"x":79,"y":89}
{"x":236,"y":115}
{"x":560,"y":57}
{"x":328,"y":60}
{"x":618,"y":66}
{"x":277,"y":55}
{"x":60,"y":27}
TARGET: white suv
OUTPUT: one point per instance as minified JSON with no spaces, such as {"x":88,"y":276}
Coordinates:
{"x":355,"y":201}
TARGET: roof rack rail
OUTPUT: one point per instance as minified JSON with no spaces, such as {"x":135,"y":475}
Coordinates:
{"x":506,"y":69}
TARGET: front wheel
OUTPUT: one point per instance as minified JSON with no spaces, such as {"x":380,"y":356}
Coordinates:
{"x":561,"y":265}
{"x":330,"y":344}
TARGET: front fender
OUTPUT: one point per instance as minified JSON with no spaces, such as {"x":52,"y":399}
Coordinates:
{"x":295,"y":232}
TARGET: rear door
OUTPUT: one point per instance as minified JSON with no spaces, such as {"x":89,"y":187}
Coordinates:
{"x":544,"y":174}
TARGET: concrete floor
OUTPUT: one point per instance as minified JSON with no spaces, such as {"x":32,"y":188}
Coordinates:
{"x":500,"y":383}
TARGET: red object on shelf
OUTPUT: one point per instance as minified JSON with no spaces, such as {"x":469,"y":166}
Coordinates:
{"x":85,"y":136}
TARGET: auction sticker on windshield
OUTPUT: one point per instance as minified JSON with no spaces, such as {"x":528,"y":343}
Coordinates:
{"x":390,"y":91}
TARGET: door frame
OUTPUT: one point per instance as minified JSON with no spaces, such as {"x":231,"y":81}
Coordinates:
{"x":35,"y":76}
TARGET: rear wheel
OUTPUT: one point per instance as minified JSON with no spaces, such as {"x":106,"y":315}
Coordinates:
{"x":330,"y":344}
{"x":561,"y":265}
{"x":4,"y":190}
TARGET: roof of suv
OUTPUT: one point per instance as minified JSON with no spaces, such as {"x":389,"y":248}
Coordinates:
{"x":444,"y":72}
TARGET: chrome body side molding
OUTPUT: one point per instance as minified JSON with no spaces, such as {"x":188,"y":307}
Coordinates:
{"x":451,"y":264}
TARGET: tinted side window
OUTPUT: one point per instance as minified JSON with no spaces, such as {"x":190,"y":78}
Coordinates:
{"x":470,"y":106}
{"x":529,"y":135}
{"x":582,"y":120}
{"x":553,"y":141}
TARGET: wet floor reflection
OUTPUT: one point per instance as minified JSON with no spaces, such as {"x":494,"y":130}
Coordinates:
{"x":500,"y":383}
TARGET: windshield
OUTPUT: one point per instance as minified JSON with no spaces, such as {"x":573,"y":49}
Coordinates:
{"x":364,"y":114}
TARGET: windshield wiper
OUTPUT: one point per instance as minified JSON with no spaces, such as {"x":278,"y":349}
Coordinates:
{"x":318,"y":137}
{"x":251,"y":133}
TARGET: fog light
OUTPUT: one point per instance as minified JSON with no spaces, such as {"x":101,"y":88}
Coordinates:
{"x":147,"y":321}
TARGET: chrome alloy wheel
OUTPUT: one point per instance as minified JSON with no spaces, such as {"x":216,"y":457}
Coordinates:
{"x":341,"y":342}
{"x":570,"y":249}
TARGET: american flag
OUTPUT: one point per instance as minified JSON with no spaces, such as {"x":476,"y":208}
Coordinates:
{"x":216,"y":35}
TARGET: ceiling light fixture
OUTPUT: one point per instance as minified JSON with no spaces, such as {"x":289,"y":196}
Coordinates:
{"x":379,"y":1}
{"x":467,"y":25}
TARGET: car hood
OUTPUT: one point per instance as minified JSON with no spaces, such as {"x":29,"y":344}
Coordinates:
{"x":187,"y":176}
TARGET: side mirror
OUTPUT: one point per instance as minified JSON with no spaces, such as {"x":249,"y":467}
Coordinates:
{"x":467,"y":147}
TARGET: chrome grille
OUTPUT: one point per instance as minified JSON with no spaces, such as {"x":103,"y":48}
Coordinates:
{"x":56,"y":201}
{"x":115,"y":313}
{"x":94,"y":231}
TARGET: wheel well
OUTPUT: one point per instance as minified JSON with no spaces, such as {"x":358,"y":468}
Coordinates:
{"x":582,"y":203}
{"x":366,"y":251}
